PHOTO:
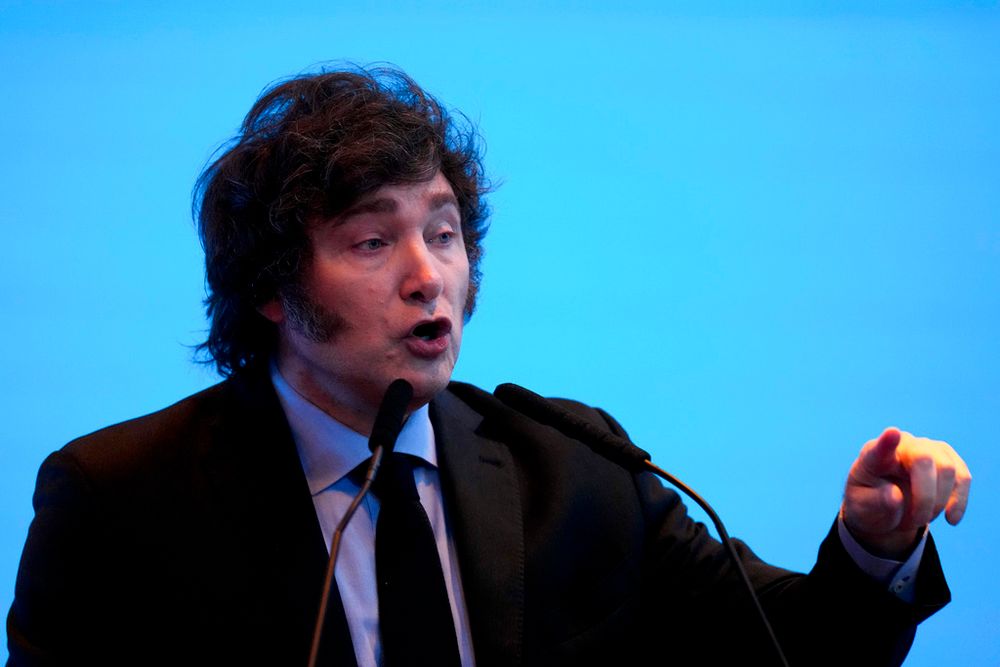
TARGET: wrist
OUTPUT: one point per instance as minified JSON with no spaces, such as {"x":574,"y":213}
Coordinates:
{"x":892,"y":545}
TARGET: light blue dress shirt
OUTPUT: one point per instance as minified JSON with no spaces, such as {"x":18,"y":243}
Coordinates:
{"x":900,"y":577}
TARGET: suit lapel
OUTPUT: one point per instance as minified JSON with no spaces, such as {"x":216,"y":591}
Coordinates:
{"x":483,"y":506}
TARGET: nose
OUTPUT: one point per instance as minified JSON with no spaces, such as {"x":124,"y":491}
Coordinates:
{"x":421,"y":281}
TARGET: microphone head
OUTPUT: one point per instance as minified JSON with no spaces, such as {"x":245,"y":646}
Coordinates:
{"x":604,"y":442}
{"x":526,"y":401}
{"x":389,"y":419}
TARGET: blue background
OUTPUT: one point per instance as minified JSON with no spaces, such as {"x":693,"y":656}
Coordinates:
{"x":756,"y":237}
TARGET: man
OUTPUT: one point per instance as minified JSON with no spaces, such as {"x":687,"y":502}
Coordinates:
{"x":342,"y":234}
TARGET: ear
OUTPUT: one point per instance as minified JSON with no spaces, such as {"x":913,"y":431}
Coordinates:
{"x":273,"y":310}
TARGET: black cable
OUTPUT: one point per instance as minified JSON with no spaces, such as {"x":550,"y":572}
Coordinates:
{"x":733,"y":555}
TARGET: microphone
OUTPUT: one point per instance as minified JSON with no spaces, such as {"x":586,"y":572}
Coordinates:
{"x":385,"y":430}
{"x":389,"y":418}
{"x":604,"y":443}
{"x":621,"y":451}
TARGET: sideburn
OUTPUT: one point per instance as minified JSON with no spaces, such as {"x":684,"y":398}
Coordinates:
{"x":308,"y":317}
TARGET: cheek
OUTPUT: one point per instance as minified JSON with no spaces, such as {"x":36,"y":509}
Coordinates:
{"x":460,"y":279}
{"x":359,"y":303}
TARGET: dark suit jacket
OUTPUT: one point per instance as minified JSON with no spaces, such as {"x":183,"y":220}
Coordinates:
{"x":189,"y":537}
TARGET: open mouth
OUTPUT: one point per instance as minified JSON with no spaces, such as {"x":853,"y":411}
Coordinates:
{"x":431,"y":330}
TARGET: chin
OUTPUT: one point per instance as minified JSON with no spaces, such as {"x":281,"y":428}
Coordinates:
{"x":427,"y":386}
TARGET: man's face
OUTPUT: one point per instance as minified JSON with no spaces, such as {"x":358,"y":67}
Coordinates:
{"x":382,"y":298}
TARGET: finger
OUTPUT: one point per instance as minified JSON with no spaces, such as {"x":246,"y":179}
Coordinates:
{"x":959,"y":499}
{"x":878,"y":457}
{"x":945,"y":485}
{"x":923,"y":487}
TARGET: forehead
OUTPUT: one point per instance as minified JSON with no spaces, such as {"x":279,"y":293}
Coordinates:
{"x":429,"y":195}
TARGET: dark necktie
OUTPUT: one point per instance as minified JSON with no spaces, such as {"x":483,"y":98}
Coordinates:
{"x":413,"y":608}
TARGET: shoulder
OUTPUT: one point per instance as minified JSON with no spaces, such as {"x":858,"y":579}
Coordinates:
{"x":173,"y":437}
{"x":150,"y":438}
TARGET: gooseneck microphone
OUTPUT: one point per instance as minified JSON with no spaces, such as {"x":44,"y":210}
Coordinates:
{"x":621,"y":451}
{"x":385,"y":430}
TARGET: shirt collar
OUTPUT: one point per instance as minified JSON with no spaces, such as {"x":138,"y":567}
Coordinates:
{"x":329,"y":450}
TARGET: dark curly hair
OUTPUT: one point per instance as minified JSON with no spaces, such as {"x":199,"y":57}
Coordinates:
{"x":310,"y":148}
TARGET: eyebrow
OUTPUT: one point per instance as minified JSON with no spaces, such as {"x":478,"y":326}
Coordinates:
{"x":436,"y":202}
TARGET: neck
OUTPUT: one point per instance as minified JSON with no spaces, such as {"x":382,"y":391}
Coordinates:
{"x":353,"y":412}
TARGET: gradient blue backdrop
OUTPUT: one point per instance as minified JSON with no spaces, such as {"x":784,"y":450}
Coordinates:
{"x":756,"y":237}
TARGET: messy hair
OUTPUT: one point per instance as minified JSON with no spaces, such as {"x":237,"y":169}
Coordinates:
{"x":311,"y":147}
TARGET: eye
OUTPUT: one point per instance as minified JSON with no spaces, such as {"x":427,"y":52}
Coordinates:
{"x":371,"y":245}
{"x":443,"y":238}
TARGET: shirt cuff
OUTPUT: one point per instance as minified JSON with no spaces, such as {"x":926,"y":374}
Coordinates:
{"x":899,"y":577}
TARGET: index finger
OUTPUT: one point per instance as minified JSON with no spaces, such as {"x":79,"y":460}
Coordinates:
{"x":878,"y":457}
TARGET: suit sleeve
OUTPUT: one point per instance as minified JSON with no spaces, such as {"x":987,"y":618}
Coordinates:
{"x":836,"y":614}
{"x":59,"y":575}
